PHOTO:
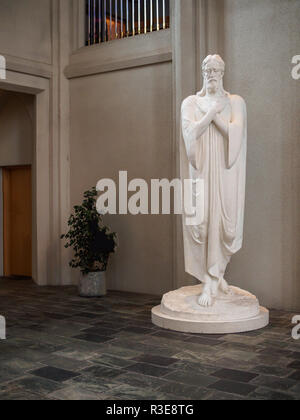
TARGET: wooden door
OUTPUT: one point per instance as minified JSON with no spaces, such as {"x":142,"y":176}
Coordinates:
{"x":17,"y":221}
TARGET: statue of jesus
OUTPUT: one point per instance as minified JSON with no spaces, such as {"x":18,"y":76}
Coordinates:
{"x":214,"y":128}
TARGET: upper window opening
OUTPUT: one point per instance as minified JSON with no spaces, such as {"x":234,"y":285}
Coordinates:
{"x":107,"y":20}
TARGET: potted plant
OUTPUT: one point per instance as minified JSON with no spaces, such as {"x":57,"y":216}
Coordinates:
{"x":92,"y":242}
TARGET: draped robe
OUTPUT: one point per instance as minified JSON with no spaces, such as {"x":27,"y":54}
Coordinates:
{"x":221,"y":163}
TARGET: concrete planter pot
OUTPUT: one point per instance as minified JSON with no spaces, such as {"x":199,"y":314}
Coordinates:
{"x":93,"y":284}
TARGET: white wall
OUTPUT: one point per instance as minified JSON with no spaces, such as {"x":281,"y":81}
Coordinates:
{"x":261,"y":37}
{"x":122,"y":120}
{"x":25,"y":29}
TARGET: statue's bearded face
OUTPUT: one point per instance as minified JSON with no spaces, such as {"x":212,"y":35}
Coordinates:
{"x":213,"y":75}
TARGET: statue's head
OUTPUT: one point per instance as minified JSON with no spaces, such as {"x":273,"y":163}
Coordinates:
{"x":213,"y":69}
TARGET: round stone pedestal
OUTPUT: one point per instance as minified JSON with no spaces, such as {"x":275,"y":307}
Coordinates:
{"x":235,"y":312}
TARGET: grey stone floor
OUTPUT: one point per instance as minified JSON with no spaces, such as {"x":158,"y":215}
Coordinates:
{"x":64,"y":347}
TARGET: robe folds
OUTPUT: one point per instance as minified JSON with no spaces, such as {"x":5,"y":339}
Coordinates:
{"x":221,"y":164}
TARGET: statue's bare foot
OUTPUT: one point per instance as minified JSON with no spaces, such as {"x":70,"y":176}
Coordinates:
{"x":215,"y":288}
{"x":205,"y":298}
{"x":224,"y":287}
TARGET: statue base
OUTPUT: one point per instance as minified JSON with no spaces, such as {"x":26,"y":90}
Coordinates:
{"x":235,"y":312}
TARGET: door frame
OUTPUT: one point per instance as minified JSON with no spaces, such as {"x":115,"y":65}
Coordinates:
{"x":47,"y":210}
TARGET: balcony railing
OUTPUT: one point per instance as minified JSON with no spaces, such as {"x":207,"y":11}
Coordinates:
{"x":107,"y":20}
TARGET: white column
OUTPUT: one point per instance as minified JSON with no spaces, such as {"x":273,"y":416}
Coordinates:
{"x":183,"y":26}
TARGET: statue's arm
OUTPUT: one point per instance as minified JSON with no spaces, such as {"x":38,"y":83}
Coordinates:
{"x":192,"y":130}
{"x":237,"y":129}
{"x":222,"y":126}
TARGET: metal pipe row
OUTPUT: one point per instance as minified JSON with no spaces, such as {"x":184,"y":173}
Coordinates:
{"x":112,"y":19}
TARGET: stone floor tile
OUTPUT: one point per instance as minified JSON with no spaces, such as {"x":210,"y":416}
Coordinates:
{"x":232,"y":387}
{"x":184,"y":391}
{"x":295,"y":376}
{"x":223,"y":396}
{"x":101,"y":371}
{"x":156,"y":360}
{"x":235,"y":375}
{"x":147,"y":369}
{"x":128,"y":392}
{"x":278,"y":371}
{"x":54,"y":374}
{"x":111,"y":361}
{"x":195,"y":379}
{"x":108,"y":348}
{"x":36,"y":385}
{"x":279,"y":384}
{"x":93,"y":338}
{"x":270,"y":395}
{"x":76,"y":393}
{"x":140,"y":381}
{"x":66,"y":363}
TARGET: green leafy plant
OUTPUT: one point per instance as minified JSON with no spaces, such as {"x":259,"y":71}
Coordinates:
{"x":91,"y":240}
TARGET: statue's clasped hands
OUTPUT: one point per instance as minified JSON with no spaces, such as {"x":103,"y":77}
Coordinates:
{"x":217,"y":107}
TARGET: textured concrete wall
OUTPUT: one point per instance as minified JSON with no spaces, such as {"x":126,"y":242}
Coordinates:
{"x":122,"y":121}
{"x":25,"y":29}
{"x":261,"y":37}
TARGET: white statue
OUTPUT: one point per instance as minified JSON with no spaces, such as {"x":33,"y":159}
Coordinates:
{"x":213,"y":150}
{"x":214,"y":127}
